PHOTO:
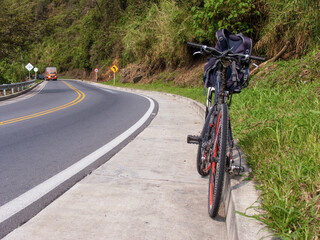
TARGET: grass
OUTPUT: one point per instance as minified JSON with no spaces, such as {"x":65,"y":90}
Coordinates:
{"x":279,"y":130}
{"x":277,"y":123}
{"x":296,"y":21}
{"x":159,"y":37}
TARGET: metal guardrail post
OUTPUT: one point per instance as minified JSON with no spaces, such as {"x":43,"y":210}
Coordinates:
{"x":12,"y":86}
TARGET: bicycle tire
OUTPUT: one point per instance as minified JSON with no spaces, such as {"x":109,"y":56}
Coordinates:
{"x":205,"y":134}
{"x":217,"y":170}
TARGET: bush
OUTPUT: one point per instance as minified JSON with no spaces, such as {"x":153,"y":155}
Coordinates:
{"x":11,"y":72}
{"x":234,"y":15}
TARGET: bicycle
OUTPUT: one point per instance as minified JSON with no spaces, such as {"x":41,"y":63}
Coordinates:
{"x":214,"y":156}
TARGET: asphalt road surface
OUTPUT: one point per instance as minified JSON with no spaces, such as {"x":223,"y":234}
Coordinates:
{"x":52,"y":140}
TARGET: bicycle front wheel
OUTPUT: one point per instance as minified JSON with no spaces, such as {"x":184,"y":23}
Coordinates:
{"x":219,"y":161}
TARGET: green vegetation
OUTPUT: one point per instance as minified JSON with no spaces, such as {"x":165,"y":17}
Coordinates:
{"x":158,"y":37}
{"x":92,"y":33}
{"x":277,"y":123}
{"x":275,"y":119}
{"x":235,"y":15}
{"x":293,"y":21}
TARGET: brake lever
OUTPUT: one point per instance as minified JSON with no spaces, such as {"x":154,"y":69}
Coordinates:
{"x":198,"y":52}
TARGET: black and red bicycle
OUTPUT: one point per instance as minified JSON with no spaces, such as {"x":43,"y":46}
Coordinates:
{"x":214,"y":155}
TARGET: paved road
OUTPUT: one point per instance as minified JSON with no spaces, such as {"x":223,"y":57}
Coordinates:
{"x":45,"y":134}
{"x":149,"y":190}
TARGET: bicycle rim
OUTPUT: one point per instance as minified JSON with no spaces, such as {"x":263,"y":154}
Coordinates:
{"x":218,"y":168}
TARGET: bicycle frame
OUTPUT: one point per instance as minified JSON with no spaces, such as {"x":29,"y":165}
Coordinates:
{"x":221,"y":97}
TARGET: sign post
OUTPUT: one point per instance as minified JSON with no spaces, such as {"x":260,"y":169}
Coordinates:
{"x":96,"y":70}
{"x":29,"y":67}
{"x":35,"y":70}
{"x":114,"y":69}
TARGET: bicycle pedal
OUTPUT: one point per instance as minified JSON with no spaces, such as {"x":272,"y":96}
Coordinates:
{"x":237,"y":170}
{"x":192,"y":139}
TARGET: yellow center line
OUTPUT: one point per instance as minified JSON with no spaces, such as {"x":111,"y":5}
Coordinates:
{"x":79,"y":98}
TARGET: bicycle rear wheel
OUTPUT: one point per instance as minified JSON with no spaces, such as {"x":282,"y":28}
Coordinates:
{"x":202,"y":165}
{"x":219,"y":162}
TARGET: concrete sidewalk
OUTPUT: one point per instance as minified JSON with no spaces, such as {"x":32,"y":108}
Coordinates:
{"x":149,"y":190}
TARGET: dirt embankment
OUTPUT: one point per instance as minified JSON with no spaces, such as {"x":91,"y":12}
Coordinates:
{"x":190,"y":75}
{"x":143,"y":74}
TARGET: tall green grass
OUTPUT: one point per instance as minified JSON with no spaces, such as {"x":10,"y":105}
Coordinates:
{"x":158,"y":37}
{"x":278,"y":125}
{"x":293,"y":21}
{"x":11,"y":72}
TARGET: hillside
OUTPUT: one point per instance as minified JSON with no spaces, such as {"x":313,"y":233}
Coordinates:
{"x":79,"y":36}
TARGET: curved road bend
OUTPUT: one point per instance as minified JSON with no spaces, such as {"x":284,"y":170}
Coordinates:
{"x":43,"y":135}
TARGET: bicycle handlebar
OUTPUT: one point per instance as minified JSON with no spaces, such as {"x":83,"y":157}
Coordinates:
{"x":217,"y":53}
{"x":204,"y":48}
{"x":195,"y":45}
{"x":261,"y":59}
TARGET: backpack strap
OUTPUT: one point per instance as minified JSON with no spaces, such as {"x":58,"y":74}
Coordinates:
{"x":247,"y":43}
{"x":206,"y":75}
{"x":221,"y":36}
{"x":235,"y":41}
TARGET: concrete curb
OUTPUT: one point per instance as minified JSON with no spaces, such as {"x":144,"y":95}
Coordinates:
{"x":239,"y":194}
{"x":19,"y":93}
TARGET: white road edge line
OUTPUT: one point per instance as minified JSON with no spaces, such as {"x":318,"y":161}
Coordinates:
{"x":27,"y":198}
{"x":107,"y":90}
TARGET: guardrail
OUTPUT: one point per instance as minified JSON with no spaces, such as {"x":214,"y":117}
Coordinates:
{"x":15,"y":87}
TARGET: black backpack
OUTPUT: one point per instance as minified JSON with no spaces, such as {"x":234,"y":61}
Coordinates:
{"x":238,"y":44}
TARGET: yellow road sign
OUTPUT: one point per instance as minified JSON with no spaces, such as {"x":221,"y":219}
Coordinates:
{"x":114,"y":68}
